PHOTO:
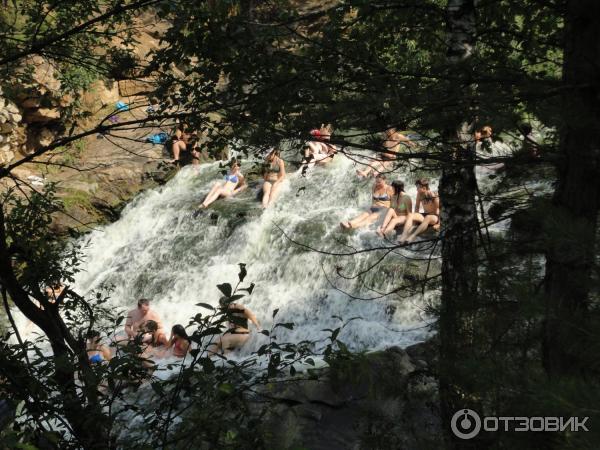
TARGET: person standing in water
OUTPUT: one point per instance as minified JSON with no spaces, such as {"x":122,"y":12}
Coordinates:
{"x":400,"y":208}
{"x":382,"y":194}
{"x":430,"y":216}
{"x":138,"y":316}
{"x":238,"y":331}
{"x":232,"y":184}
{"x":274,"y":175}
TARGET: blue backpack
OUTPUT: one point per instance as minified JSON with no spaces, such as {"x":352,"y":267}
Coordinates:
{"x":159,"y":138}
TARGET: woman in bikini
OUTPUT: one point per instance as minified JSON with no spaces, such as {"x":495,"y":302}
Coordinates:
{"x":430,"y":216}
{"x":401,"y":207}
{"x":274,"y":175}
{"x":234,"y":182}
{"x":179,"y":342}
{"x":238,"y":331}
{"x":382,"y":194}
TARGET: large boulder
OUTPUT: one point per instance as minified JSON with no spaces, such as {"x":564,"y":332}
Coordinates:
{"x":378,"y":400}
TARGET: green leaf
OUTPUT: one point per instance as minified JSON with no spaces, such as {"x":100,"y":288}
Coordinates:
{"x":205,"y":305}
{"x":225,"y":288}
{"x":334,"y":335}
{"x":226,"y":388}
{"x":249,"y":289}
{"x":243,"y":272}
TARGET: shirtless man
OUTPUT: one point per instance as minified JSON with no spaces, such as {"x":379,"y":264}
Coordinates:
{"x":430,"y":216}
{"x":138,"y":316}
{"x":391,"y":144}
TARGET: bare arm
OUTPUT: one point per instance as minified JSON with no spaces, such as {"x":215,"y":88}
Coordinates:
{"x":281,"y":175}
{"x":417,"y":203}
{"x":251,"y":317}
{"x":241,"y":185}
{"x":129,"y":326}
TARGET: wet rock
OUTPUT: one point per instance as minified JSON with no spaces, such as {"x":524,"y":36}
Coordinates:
{"x":378,"y":400}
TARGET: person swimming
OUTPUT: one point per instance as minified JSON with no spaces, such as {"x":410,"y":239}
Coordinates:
{"x":233,"y":183}
{"x":274,"y":175}
{"x":382,"y":194}
{"x":400,"y":208}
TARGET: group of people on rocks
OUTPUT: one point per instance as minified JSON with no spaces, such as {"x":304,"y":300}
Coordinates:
{"x":144,"y":327}
{"x":389,"y":199}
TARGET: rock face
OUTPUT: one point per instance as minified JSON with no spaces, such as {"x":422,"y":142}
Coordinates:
{"x":9,"y":133}
{"x":380,"y":400}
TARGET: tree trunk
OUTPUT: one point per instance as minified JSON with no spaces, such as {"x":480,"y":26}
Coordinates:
{"x":458,"y":188}
{"x":571,"y":236}
{"x":90,"y":426}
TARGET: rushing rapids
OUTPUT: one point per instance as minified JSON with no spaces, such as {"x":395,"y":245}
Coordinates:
{"x":160,"y":250}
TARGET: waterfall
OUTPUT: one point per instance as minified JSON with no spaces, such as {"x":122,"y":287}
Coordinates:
{"x":159,"y":250}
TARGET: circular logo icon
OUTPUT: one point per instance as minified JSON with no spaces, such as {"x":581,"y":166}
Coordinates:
{"x":465,"y":424}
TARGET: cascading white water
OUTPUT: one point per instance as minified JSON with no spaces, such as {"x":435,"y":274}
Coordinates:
{"x":158,"y":250}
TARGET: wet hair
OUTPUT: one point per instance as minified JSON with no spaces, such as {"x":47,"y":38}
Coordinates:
{"x":143,"y":301}
{"x":273,"y":153}
{"x":150,"y":326}
{"x":92,"y":334}
{"x":422,"y":182}
{"x":234,"y":162}
{"x":381,"y":176}
{"x":398,"y":186}
{"x":178,"y":330}
{"x":486,"y":131}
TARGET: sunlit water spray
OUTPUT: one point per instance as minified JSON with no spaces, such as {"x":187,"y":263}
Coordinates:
{"x":158,"y":250}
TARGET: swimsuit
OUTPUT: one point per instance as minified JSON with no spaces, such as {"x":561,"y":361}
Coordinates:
{"x":432,"y":214}
{"x":381,"y":198}
{"x":95,"y":359}
{"x":241,"y":321}
{"x":232,"y":178}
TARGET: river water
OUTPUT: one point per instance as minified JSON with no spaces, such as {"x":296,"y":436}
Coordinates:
{"x":159,"y":250}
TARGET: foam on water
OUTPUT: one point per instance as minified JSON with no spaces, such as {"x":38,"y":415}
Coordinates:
{"x":159,"y":251}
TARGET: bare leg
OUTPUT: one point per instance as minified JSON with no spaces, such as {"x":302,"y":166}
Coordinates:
{"x":266,"y":188}
{"x":426,"y":223}
{"x":214,"y":194}
{"x":274,"y":192}
{"x":411,"y":218}
{"x":231,"y":341}
{"x":398,"y":220}
{"x":391,"y":214}
{"x":178,"y":146}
